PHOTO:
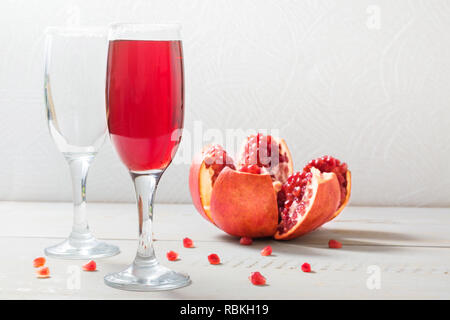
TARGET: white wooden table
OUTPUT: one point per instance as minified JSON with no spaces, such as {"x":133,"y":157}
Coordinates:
{"x":410,"y":247}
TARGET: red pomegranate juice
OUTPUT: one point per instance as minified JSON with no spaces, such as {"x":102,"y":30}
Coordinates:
{"x":145,"y":101}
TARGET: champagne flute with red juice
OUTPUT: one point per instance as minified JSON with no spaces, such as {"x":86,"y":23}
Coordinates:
{"x":145,"y":111}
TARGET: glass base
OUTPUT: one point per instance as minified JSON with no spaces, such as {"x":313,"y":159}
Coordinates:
{"x":82,"y":247}
{"x":147,"y":278}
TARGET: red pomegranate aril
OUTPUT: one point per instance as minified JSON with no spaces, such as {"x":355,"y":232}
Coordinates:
{"x":43,"y":273}
{"x":188,"y":243}
{"x":172,"y":256}
{"x":259,"y":150}
{"x":246,"y":241}
{"x":213,"y":258}
{"x":253,"y":168}
{"x":306,"y":267}
{"x":294,"y":190}
{"x":90,"y":266}
{"x":266,"y":251}
{"x":288,"y":203}
{"x":257,"y":279}
{"x":39,"y":262}
{"x":334,"y":244}
{"x":263,"y":151}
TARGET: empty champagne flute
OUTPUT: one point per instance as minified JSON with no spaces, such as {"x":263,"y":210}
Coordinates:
{"x":145,"y":108}
{"x":75,"y":64}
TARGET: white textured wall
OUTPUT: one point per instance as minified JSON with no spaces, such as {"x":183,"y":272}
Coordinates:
{"x":367,"y":81}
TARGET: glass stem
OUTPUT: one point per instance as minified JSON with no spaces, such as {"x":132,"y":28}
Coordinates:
{"x":79,"y":167}
{"x":145,"y":185}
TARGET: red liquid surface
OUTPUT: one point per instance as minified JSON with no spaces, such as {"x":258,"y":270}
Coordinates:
{"x":144,"y":98}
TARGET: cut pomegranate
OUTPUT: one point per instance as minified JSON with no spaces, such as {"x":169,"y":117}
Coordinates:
{"x":90,"y":266}
{"x":213,"y":258}
{"x":306,"y":267}
{"x":257,"y":279}
{"x":43,"y":272}
{"x":246,"y":241}
{"x":262,"y":197}
{"x":269,"y":154}
{"x":172,"y":256}
{"x":330,"y":164}
{"x":306,"y":201}
{"x":39,"y":262}
{"x":334,"y":244}
{"x":266,"y":251}
{"x":188,"y":243}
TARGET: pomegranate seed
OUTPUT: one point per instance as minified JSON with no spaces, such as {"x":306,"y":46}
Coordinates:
{"x":334,"y":244}
{"x":246,"y":241}
{"x":43,"y":273}
{"x":38,"y":262}
{"x":172,"y":256}
{"x":257,"y":279}
{"x":251,"y":168}
{"x":293,"y":192}
{"x":214,"y":259}
{"x":306,"y":267}
{"x":267,"y":251}
{"x":90,"y":266}
{"x":188,"y":243}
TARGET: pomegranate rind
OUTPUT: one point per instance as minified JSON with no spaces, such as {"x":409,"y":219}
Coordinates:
{"x":323,"y":203}
{"x":348,"y":177}
{"x":244,"y":204}
{"x":198,"y":185}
